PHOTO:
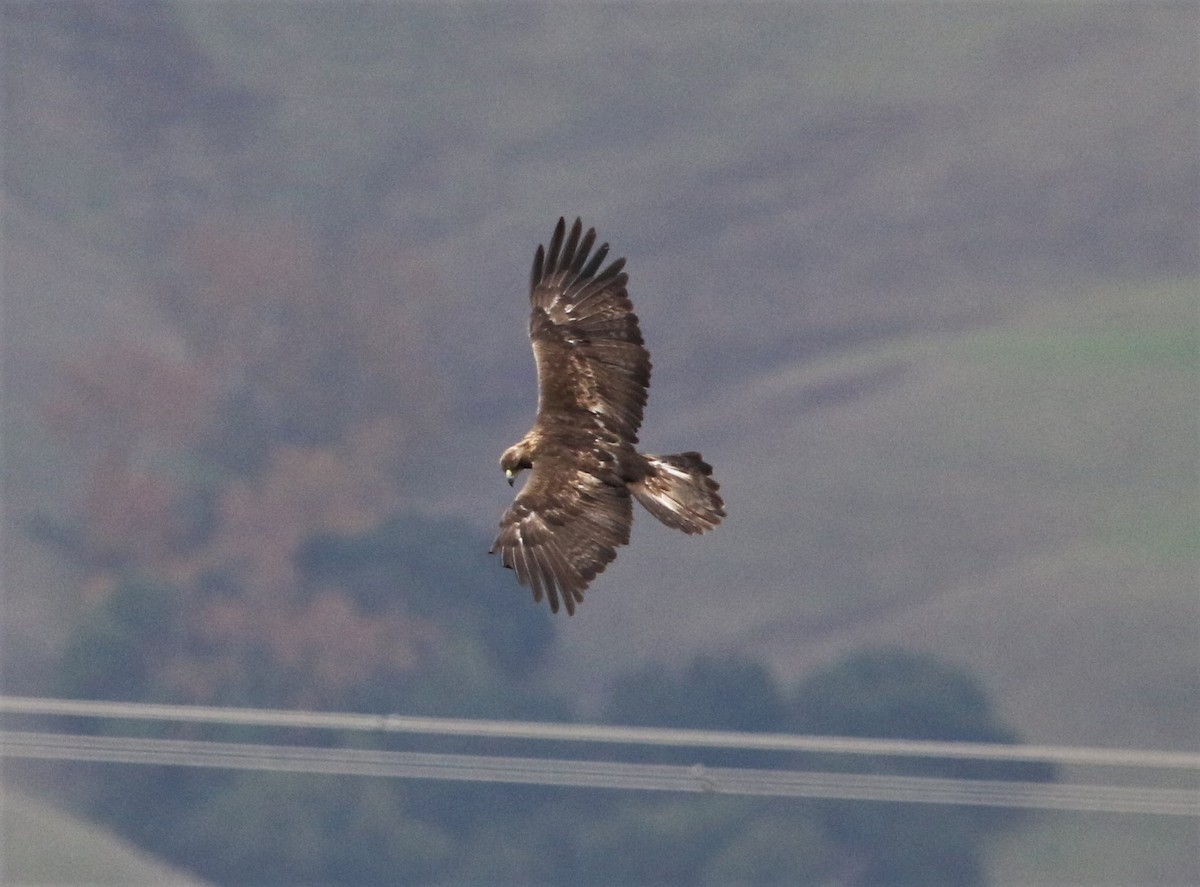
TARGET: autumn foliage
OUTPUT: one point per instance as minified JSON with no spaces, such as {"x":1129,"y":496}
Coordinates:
{"x":278,"y":414}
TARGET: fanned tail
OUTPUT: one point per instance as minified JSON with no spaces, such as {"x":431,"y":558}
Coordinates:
{"x":680,"y":492}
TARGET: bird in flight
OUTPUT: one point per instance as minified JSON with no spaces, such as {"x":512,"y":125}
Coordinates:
{"x":593,"y":373}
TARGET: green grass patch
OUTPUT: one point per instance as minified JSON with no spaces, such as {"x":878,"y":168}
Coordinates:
{"x":1143,"y":324}
{"x":1174,"y":348}
{"x":1162,"y":533}
{"x":1079,"y":849}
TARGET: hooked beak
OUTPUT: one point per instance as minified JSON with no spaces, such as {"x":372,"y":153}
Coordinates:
{"x":511,"y":475}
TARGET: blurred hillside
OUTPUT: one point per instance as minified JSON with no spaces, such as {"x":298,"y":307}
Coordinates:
{"x":920,"y":280}
{"x":821,"y":233}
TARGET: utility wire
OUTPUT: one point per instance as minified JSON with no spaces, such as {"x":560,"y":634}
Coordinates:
{"x":600,"y":774}
{"x":655,"y":736}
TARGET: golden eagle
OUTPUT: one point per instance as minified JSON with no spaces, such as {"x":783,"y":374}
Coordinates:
{"x":593,"y":371}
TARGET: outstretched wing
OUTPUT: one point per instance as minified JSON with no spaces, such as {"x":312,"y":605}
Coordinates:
{"x":591,"y":362}
{"x":563,"y":529}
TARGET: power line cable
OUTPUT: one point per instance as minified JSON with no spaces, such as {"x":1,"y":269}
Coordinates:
{"x":600,"y":774}
{"x":653,"y":736}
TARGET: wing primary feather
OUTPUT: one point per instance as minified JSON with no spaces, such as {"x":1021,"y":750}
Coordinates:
{"x":610,"y":277}
{"x":595,"y":263}
{"x":581,"y":255}
{"x":599,"y":299}
{"x":544,"y":582}
{"x":599,"y":287}
{"x":539,"y":575}
{"x":568,"y":252}
{"x":613,"y":270}
{"x":535,"y":276}
{"x":555,"y":245}
{"x":553,"y":577}
{"x":538,"y":569}
{"x":521,"y":556}
{"x":563,"y":574}
{"x":533,"y":573}
{"x":548,"y":580}
{"x":518,"y":564}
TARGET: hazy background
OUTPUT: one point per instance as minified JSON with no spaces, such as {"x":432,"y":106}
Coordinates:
{"x":919,"y":280}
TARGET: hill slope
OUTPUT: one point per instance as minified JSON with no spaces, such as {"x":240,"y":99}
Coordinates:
{"x":1020,"y":498}
{"x":43,"y":845}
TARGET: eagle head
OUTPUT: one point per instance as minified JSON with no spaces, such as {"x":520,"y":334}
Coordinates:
{"x":514,"y":460}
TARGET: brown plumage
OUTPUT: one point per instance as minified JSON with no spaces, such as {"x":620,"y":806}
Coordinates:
{"x":593,"y":373}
